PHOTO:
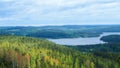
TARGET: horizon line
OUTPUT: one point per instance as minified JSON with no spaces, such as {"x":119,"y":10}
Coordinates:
{"x":57,"y":25}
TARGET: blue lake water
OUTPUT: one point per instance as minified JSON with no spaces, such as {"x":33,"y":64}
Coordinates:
{"x":83,"y":41}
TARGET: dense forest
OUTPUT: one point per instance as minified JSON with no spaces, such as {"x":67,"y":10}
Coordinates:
{"x":111,"y":38}
{"x":107,"y":50}
{"x":28,"y":52}
{"x":67,"y":31}
{"x":107,"y":47}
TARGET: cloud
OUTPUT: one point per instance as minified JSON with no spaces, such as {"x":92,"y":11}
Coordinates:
{"x":59,"y":11}
{"x":6,"y":0}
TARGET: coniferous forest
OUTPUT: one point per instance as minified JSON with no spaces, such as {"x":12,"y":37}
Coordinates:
{"x":28,"y":52}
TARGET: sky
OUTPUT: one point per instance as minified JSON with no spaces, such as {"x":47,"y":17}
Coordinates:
{"x":59,"y":12}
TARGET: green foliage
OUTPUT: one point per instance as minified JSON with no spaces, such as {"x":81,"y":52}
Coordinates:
{"x":27,"y":52}
{"x":109,"y":52}
{"x":68,"y":31}
{"x":111,"y":38}
{"x":108,"y":47}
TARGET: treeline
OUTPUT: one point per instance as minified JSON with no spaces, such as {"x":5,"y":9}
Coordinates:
{"x":26,"y":52}
{"x":107,"y":47}
{"x":67,"y":31}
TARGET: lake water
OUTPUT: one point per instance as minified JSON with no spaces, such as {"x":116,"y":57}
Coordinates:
{"x":83,"y":41}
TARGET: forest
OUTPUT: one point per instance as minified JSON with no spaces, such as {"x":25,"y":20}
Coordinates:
{"x":29,"y":52}
{"x":66,"y":31}
{"x":107,"y":47}
{"x":27,"y":47}
{"x":111,"y":38}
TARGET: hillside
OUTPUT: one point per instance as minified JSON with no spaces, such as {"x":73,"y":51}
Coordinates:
{"x":107,"y":47}
{"x":66,"y":31}
{"x":28,"y":52}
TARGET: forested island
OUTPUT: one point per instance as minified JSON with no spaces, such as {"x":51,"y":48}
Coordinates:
{"x":28,"y":52}
{"x":111,"y":38}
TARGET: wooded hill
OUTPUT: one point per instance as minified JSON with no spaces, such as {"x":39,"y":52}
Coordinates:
{"x":66,"y":31}
{"x":28,"y":52}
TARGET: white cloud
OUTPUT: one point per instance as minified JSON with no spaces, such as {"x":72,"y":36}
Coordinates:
{"x":60,"y":10}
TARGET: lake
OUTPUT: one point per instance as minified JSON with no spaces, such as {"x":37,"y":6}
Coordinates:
{"x":83,"y":41}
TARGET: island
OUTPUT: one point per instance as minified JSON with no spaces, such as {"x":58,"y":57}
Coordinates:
{"x":111,"y":38}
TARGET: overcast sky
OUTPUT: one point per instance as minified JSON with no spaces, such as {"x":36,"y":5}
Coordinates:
{"x":59,"y":12}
